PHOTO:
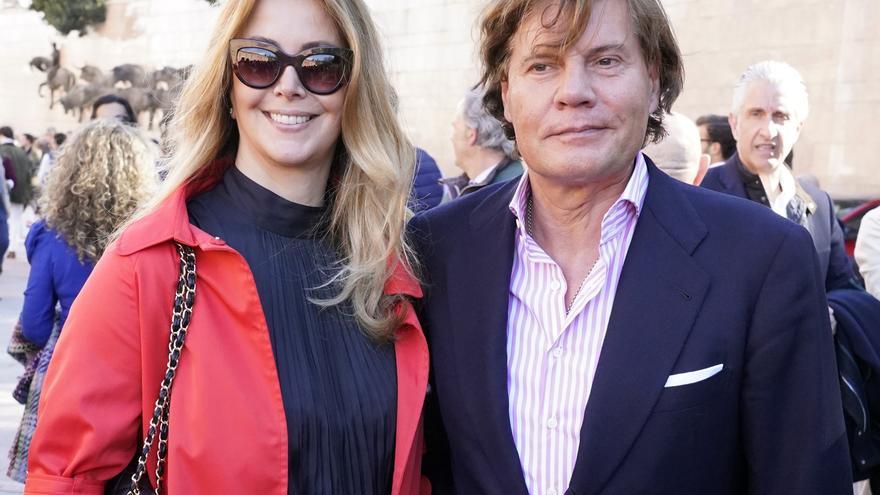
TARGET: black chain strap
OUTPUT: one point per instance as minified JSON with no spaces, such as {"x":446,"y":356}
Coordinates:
{"x":183,"y":305}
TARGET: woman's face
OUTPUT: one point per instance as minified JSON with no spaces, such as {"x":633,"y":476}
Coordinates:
{"x":285,"y":125}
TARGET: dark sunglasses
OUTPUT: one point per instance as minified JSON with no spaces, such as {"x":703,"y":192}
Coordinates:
{"x":258,"y":64}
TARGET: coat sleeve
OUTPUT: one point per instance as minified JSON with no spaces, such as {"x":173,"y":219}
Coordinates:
{"x":38,"y":309}
{"x":792,"y":418}
{"x":90,"y":409}
{"x":841,"y":274}
{"x":867,"y":251}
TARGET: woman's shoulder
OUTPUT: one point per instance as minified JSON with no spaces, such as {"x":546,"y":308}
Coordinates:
{"x":38,"y":234}
{"x":43,"y":237}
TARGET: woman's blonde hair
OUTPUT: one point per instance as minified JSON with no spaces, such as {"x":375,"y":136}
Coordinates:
{"x":375,"y":162}
{"x":100,"y":177}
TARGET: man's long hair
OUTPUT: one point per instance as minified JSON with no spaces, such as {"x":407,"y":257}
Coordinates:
{"x":502,"y":18}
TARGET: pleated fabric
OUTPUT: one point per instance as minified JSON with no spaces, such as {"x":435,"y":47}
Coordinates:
{"x":338,"y":386}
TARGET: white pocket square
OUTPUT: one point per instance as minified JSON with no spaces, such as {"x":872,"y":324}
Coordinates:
{"x":680,"y":379}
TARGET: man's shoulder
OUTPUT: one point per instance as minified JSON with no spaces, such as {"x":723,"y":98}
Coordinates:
{"x":511,"y":171}
{"x":714,"y":176}
{"x":486,"y":200}
{"x":818,"y":194}
{"x":735,"y":219}
{"x":872,"y":218}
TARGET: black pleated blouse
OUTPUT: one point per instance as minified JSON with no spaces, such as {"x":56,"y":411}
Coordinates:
{"x":339,"y":387}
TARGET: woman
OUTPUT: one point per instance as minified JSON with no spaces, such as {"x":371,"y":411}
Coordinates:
{"x":304,"y":368}
{"x":99,"y":179}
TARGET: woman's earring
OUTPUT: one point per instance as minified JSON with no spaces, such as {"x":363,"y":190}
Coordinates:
{"x":231,"y":113}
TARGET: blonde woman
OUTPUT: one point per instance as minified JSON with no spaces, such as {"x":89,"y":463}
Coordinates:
{"x":101,"y":176}
{"x":304,"y":369}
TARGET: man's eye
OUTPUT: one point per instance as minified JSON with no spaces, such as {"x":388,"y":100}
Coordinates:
{"x":539,"y":67}
{"x":606,"y":61}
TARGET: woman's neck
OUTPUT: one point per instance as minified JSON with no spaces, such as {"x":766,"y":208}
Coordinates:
{"x":305,"y":186}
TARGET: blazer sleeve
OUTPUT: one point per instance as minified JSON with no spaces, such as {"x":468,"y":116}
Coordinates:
{"x":436,"y":463}
{"x":90,"y":409}
{"x":841,"y":274}
{"x":792,"y":419}
{"x":867,"y":251}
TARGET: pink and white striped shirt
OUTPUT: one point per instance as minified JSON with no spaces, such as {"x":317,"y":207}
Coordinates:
{"x":552,"y":356}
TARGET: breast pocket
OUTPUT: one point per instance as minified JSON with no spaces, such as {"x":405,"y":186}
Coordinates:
{"x":690,"y":389}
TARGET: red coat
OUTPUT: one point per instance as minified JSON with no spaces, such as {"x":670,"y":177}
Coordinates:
{"x":228,"y":432}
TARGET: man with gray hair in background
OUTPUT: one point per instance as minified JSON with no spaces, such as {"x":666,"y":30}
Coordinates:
{"x":770,"y":106}
{"x":679,"y":154}
{"x":482,"y":151}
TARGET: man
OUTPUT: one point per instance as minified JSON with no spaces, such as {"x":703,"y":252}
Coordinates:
{"x":678,"y":154}
{"x":482,"y":151}
{"x":599,"y":327}
{"x":716,"y":138}
{"x":22,"y":191}
{"x":867,"y":252}
{"x":770,"y":106}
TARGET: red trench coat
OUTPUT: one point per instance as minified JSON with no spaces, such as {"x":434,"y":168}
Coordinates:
{"x":228,"y":432}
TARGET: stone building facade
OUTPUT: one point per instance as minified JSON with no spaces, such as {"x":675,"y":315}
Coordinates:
{"x":432,"y":56}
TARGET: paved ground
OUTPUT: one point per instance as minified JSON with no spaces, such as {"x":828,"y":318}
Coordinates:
{"x":12,"y":283}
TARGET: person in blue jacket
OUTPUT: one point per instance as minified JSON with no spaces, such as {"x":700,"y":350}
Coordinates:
{"x":96,"y":184}
{"x":426,"y":191}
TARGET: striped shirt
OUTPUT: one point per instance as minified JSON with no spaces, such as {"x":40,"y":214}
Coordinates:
{"x":551,"y":355}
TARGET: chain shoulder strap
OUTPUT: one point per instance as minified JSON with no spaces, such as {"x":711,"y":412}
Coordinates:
{"x":180,"y":317}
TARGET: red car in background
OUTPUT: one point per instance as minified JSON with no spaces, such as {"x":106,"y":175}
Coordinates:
{"x":850,"y":216}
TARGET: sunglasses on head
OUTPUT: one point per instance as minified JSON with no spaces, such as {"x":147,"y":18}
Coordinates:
{"x":258,"y":64}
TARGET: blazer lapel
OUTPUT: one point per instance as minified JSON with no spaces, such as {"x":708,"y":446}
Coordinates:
{"x":658,"y":297}
{"x":481,"y":282}
{"x":730,"y":178}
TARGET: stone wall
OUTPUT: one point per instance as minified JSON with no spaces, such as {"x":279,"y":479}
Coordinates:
{"x":431,"y":55}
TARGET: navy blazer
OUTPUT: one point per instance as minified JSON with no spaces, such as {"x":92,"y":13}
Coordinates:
{"x":708,"y":279}
{"x":835,"y":266}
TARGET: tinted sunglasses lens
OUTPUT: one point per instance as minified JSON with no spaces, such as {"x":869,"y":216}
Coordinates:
{"x":256,"y":67}
{"x":322,"y":73}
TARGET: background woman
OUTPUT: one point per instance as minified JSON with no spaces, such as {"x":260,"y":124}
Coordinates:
{"x":101,"y":176}
{"x":304,"y":369}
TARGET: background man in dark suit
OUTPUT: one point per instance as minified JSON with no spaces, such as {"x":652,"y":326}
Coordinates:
{"x":769,"y":108}
{"x":597,"y":326}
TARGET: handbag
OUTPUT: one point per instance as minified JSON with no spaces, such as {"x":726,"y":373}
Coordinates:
{"x":27,"y":353}
{"x":132,"y":479}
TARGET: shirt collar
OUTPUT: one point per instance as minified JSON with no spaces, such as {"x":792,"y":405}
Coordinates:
{"x":633,"y":195}
{"x":6,"y":140}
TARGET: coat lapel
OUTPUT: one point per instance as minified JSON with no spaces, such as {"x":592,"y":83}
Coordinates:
{"x":658,"y":297}
{"x":729,"y":177}
{"x":481,"y":282}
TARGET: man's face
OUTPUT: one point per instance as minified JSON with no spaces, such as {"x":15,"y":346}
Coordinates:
{"x":765,"y":127}
{"x":580,"y":116}
{"x":705,"y":140}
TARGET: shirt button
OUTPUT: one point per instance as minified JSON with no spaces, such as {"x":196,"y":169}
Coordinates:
{"x":552,"y":423}
{"x":557,"y":352}
{"x":551,"y":491}
{"x":555,"y":285}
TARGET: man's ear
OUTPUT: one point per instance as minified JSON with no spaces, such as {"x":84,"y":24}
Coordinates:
{"x":471,"y":135}
{"x":504,"y":88}
{"x":654,"y":74}
{"x":714,"y":149}
{"x":733,"y":121}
